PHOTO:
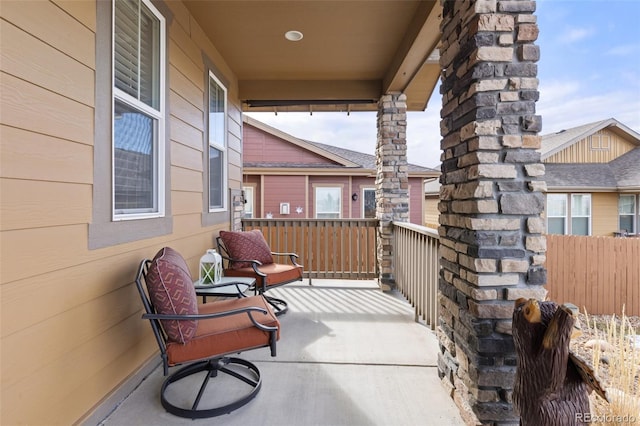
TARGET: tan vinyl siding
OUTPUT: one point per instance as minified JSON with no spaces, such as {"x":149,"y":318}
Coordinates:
{"x":416,"y":198}
{"x":71,"y":331}
{"x":604,"y":216}
{"x":431,"y":213}
{"x":584,"y":151}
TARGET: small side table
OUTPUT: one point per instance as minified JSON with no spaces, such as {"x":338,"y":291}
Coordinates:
{"x":227,"y":287}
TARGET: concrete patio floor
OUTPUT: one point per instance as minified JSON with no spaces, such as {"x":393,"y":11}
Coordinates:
{"x":349,"y":354}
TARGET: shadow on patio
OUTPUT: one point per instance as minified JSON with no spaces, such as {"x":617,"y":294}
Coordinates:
{"x":349,"y":354}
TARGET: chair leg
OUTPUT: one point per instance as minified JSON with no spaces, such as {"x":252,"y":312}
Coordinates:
{"x":280,"y":306}
{"x":248,"y":374}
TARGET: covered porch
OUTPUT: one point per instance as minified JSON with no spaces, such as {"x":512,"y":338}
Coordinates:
{"x":72,"y":338}
{"x":349,"y":354}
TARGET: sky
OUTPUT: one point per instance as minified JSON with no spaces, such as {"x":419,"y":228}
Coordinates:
{"x":589,"y":70}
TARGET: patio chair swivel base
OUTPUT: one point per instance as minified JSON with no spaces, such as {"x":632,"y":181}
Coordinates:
{"x":236,"y":368}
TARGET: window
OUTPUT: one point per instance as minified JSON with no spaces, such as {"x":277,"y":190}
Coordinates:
{"x":217,"y":145}
{"x":369,"y":203}
{"x":569,"y":214}
{"x":600,"y":142}
{"x":138,"y":110}
{"x":328,"y":202}
{"x":131,"y":167}
{"x":581,"y":214}
{"x":627,"y":213}
{"x":248,"y":201}
{"x":557,"y":214}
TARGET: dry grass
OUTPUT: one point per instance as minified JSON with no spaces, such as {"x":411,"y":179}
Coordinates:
{"x":609,"y":343}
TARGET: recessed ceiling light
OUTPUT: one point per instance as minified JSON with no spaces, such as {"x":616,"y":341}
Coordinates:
{"x":293,"y":35}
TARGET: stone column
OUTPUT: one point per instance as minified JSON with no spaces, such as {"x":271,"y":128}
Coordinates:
{"x":392,"y":180}
{"x":237,"y":209}
{"x":492,"y":247}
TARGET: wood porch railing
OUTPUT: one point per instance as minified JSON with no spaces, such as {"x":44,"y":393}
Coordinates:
{"x":346,"y":249}
{"x":328,"y":248}
{"x":417,"y":268}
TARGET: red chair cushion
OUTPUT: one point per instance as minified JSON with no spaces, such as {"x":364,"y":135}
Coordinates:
{"x":172,"y":292}
{"x":277,"y":274}
{"x":228,"y":334}
{"x":246,"y":245}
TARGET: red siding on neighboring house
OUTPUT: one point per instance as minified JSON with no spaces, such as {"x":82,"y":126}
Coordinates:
{"x":262,"y":147}
{"x":357,"y":185}
{"x":284,"y":169}
{"x":284,"y":189}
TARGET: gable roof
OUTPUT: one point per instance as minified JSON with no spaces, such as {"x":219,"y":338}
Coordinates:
{"x":342,"y":157}
{"x":622,"y":173}
{"x":556,"y":142}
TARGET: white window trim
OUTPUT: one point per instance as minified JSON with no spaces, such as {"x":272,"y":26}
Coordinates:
{"x":315,"y":198}
{"x":159,"y":114}
{"x":222,"y":148}
{"x":572,"y":216}
{"x":566,"y":215}
{"x":249,"y":192}
{"x":569,"y":215}
{"x":635,"y":216}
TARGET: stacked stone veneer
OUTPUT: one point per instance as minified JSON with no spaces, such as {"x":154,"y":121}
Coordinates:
{"x":392,"y":179}
{"x":237,"y":209}
{"x":492,"y":247}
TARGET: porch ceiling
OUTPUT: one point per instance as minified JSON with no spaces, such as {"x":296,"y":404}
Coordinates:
{"x":352,"y":51}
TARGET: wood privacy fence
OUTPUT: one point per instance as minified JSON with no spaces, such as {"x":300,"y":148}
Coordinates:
{"x":328,"y":248}
{"x":599,"y":274}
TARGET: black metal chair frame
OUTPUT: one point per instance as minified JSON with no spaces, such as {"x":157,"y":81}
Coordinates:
{"x":279,"y":305}
{"x":217,"y":362}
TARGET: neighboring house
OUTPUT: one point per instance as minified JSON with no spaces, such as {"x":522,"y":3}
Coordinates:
{"x":288,"y":177}
{"x":431,"y":200}
{"x":593,"y":179}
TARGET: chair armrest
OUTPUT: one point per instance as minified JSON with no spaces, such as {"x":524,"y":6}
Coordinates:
{"x":284,"y":254}
{"x":254,"y":263}
{"x":248,"y":310}
{"x":292,"y":257}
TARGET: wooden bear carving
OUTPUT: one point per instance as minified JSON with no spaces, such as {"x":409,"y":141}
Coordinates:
{"x":552,"y":384}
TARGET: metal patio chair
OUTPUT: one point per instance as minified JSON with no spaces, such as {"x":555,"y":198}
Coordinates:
{"x":201,"y":336}
{"x":247,"y":254}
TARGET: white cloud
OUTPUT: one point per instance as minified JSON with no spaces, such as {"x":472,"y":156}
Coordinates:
{"x":574,"y":108}
{"x":623,"y":50}
{"x":573,"y":35}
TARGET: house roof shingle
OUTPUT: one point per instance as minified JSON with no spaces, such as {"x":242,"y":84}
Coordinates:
{"x":585,"y":175}
{"x":366,"y":161}
{"x":626,"y":169}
